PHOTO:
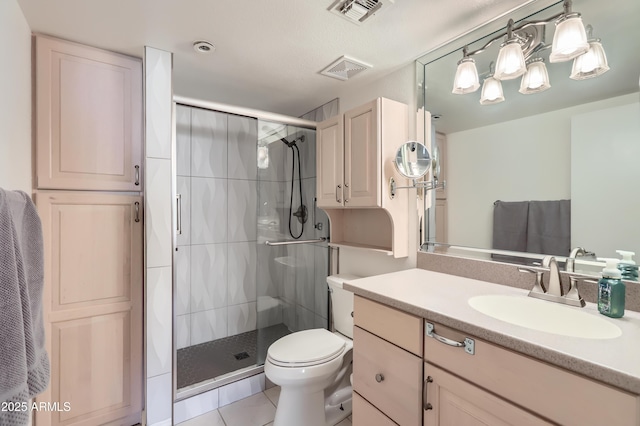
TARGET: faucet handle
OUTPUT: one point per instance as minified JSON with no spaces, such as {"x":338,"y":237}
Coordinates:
{"x":538,"y":287}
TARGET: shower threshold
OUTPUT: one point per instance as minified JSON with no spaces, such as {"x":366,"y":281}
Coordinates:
{"x":211,"y":360}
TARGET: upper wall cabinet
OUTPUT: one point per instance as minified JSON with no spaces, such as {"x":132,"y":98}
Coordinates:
{"x":355,"y":153}
{"x":88,"y":118}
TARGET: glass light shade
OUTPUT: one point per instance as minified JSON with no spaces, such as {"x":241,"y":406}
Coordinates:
{"x":536,"y":79}
{"x":466,"y":79}
{"x":569,"y":40}
{"x":590,"y":64}
{"x":510,"y":63}
{"x":491,"y":91}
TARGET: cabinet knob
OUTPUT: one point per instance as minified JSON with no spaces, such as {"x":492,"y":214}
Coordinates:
{"x":379,"y":377}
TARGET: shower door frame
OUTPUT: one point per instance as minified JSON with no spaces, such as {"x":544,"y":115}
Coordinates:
{"x":229,"y":109}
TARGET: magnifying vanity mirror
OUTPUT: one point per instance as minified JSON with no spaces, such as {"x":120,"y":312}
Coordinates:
{"x":413,"y":160}
{"x":575,"y":142}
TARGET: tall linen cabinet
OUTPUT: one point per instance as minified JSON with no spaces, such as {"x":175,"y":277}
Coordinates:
{"x":88,"y":128}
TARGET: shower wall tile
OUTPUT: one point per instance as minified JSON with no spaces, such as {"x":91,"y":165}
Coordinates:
{"x":208,"y":143}
{"x":296,"y":226}
{"x":241,"y":389}
{"x":158,"y":212}
{"x":305,"y":277}
{"x":183,"y":331}
{"x":269,"y":274}
{"x":183,"y":187}
{"x":308,"y":153}
{"x":195,"y":406}
{"x":159,"y":321}
{"x":242,"y":208}
{"x":241,"y":318}
{"x":209,"y":210}
{"x":183,"y":140}
{"x":242,"y":145}
{"x":321,"y":322}
{"x":288,"y":265}
{"x":208,"y":325}
{"x":182,"y":265}
{"x":158,"y":103}
{"x":289,"y":315}
{"x":208,"y":276}
{"x":270,"y":207}
{"x":159,"y":400}
{"x":242,"y":273}
{"x":321,"y":260}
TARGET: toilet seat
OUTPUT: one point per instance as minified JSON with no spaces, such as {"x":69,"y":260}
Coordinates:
{"x":306,"y":348}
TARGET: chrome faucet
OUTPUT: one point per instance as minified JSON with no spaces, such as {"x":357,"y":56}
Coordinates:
{"x":553,"y":292}
{"x":570,"y":264}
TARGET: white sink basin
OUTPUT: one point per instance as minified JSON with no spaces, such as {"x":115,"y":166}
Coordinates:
{"x":545,"y":316}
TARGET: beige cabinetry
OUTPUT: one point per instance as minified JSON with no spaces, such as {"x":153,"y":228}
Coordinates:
{"x":92,"y":305}
{"x":89,"y":138}
{"x":496,"y":386}
{"x":88,"y":118}
{"x":387,"y":365}
{"x":354,"y":154}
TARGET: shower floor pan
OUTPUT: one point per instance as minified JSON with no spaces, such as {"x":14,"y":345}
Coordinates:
{"x":209,"y":360}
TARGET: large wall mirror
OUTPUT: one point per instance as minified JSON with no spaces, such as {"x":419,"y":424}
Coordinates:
{"x":579,"y":140}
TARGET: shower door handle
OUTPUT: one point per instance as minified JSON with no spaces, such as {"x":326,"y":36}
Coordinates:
{"x":338,"y":199}
{"x":179,"y":214}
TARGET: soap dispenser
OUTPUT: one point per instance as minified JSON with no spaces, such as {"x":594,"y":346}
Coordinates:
{"x":627,"y":266}
{"x":611,"y":290}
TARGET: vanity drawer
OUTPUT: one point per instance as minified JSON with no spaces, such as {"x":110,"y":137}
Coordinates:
{"x":558,"y":395}
{"x":388,"y":377}
{"x":365,"y":414}
{"x":397,"y":327}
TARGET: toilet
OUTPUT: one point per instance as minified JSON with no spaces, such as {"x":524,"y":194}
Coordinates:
{"x":313,"y":367}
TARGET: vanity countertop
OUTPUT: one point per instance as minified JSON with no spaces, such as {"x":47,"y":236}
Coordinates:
{"x":443,"y":298}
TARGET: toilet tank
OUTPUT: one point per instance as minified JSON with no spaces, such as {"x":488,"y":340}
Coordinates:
{"x":341,"y":303}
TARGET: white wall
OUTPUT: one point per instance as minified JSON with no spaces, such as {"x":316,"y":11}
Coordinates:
{"x":15,"y":103}
{"x":399,"y":86}
{"x":524,"y":159}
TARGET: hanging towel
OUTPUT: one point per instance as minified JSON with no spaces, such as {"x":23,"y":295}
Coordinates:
{"x":510,"y":225}
{"x":24,"y":364}
{"x":549,"y":227}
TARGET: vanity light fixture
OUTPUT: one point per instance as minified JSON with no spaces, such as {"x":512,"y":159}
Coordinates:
{"x":491,"y":89}
{"x":519,"y":55}
{"x":466,"y":79}
{"x":536,"y":79}
{"x":592,"y":63}
{"x":510,"y":63}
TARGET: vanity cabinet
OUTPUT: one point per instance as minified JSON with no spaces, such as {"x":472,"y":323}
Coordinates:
{"x":88,"y":117}
{"x":354,"y":154}
{"x":387,"y":365}
{"x":498,"y":386}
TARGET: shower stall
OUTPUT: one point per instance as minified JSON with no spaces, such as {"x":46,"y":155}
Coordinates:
{"x":249,"y":257}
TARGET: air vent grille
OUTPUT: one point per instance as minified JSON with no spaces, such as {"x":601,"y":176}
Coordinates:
{"x":358,"y":11}
{"x":344,"y":68}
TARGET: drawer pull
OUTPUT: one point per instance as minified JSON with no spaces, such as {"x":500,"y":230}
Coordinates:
{"x":468,"y":344}
{"x":137,"y":175}
{"x":379,"y":377}
{"x":426,"y":405}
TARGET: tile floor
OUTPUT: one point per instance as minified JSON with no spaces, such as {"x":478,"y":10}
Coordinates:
{"x":256,"y":410}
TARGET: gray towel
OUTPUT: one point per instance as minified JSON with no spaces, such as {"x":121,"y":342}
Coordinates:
{"x":510,"y":225}
{"x":24,"y":364}
{"x":549,"y":228}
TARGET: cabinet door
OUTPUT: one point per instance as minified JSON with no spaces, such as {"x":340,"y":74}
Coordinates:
{"x":362,"y":165}
{"x":330,"y":163}
{"x":92,"y":307}
{"x":88,"y":118}
{"x":454,"y":401}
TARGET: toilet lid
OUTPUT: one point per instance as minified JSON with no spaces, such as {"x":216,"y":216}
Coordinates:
{"x":304,"y":348}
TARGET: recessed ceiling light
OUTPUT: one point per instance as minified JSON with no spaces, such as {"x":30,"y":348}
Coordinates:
{"x":203,"y":46}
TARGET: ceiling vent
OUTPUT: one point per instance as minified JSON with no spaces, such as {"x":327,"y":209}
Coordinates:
{"x":344,"y":68}
{"x":358,"y":11}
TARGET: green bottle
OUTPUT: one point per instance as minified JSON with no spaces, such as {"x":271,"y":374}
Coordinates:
{"x":611,"y":290}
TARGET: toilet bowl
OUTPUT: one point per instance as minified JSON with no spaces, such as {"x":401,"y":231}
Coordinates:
{"x":313,"y":367}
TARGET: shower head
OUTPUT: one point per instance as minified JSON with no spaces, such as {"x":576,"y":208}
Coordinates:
{"x":292,"y":144}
